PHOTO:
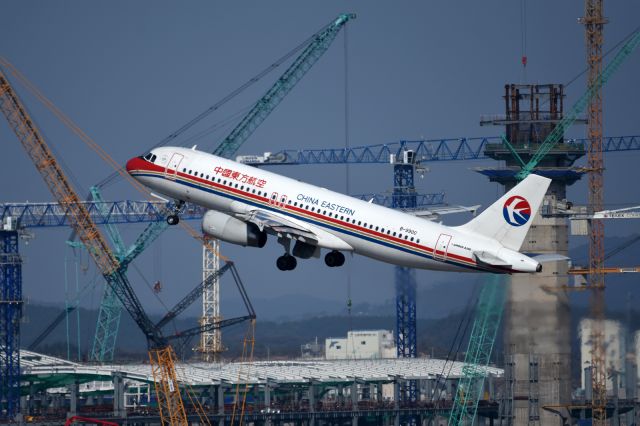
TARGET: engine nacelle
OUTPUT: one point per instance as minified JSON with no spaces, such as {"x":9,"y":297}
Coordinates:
{"x":229,"y":229}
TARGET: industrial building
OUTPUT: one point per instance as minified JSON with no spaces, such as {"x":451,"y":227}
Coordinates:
{"x":369,"y":344}
{"x":276,"y":391}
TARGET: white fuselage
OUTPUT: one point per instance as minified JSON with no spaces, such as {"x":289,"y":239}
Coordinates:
{"x":367,"y":229}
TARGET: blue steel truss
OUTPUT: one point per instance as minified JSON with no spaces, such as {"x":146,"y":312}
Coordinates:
{"x":426,"y":151}
{"x":35,"y":215}
{"x":10,"y":316}
{"x":398,"y":200}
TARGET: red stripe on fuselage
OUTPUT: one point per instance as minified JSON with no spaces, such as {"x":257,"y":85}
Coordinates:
{"x":146,"y":166}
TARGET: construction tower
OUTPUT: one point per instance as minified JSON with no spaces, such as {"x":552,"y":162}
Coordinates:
{"x":210,"y":346}
{"x":537,"y":332}
{"x":10,"y":317}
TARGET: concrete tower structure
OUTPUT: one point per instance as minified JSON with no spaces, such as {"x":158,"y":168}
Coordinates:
{"x":537,"y":314}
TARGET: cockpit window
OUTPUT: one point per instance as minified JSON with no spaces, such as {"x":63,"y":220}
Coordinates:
{"x":150,"y":157}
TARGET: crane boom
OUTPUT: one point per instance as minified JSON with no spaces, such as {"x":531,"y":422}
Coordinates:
{"x":61,"y":189}
{"x":23,"y":126}
{"x":282,"y":87}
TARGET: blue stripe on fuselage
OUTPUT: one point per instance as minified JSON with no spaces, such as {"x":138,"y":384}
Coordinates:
{"x":254,"y":203}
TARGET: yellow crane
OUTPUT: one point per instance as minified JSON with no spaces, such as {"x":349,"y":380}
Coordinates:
{"x":594,"y":22}
{"x":161,"y":354}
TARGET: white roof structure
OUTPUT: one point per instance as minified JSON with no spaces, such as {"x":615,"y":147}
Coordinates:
{"x":258,"y":372}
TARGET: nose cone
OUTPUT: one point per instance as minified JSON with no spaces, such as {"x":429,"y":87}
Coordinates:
{"x":131,"y":164}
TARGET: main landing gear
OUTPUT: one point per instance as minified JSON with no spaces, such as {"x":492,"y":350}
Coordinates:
{"x":286,"y":262}
{"x":173,"y":218}
{"x":334,"y":258}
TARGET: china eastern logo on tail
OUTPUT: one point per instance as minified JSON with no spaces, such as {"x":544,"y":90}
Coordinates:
{"x":516,"y":211}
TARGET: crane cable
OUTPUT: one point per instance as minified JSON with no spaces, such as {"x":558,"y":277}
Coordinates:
{"x":94,"y":146}
{"x":109,"y":179}
{"x":523,"y":39}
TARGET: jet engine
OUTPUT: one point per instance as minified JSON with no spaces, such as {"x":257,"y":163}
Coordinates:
{"x":229,"y":229}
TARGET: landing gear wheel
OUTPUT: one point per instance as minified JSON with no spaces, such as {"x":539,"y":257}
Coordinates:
{"x":173,"y":219}
{"x":286,"y":263}
{"x":334,"y":259}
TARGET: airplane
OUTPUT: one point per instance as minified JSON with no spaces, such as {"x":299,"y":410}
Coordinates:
{"x":246,"y":205}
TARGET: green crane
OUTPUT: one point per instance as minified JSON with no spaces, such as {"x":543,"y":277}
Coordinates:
{"x":282,"y":86}
{"x":476,"y":360}
{"x":492,"y":296}
{"x":556,"y":135}
{"x":110,"y":307}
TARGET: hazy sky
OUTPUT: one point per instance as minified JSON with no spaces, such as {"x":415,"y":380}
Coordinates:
{"x":129,"y":73}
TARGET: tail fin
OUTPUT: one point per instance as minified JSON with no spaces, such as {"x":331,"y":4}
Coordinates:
{"x":508,"y":219}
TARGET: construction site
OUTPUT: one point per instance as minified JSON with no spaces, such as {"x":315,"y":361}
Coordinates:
{"x":181,"y":333}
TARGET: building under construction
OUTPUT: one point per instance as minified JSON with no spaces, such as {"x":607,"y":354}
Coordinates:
{"x":538,"y":317}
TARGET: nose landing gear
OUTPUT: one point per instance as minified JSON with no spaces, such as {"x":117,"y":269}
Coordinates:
{"x":173,"y":218}
{"x":334,"y":259}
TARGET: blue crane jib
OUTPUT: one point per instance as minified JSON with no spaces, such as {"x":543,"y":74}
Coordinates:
{"x":449,"y":149}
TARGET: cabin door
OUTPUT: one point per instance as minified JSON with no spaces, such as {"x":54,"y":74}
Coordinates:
{"x":172,"y":167}
{"x":442,"y":247}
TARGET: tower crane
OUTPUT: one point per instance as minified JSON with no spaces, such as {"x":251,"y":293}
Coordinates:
{"x":160,"y":352}
{"x":466,"y":403}
{"x":108,"y":318}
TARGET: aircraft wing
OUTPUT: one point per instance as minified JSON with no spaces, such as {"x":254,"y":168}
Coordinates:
{"x":286,"y":227}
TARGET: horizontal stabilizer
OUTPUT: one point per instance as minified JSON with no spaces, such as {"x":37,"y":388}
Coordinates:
{"x":486,"y":258}
{"x":553,"y":257}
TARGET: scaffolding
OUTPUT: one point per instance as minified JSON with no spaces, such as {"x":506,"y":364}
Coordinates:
{"x":210,"y":346}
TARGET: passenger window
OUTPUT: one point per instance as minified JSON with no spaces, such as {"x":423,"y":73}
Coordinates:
{"x":377,"y":229}
{"x":394,"y":234}
{"x":411,"y":239}
{"x":295,"y":203}
{"x":184,"y":170}
{"x":341,"y":217}
{"x":190,"y":171}
{"x":359,"y":223}
{"x":418,"y":241}
{"x":207,"y":177}
{"x":313,"y":209}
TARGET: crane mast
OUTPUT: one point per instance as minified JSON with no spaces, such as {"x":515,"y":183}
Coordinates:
{"x":594,"y":29}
